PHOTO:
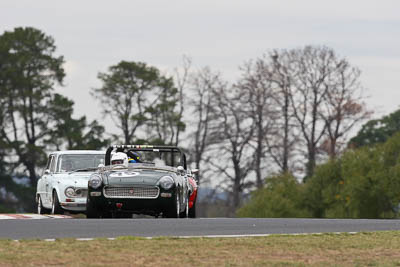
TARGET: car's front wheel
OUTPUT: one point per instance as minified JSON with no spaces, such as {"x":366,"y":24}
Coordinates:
{"x":55,"y":207}
{"x":173,"y":212}
{"x":40,"y":208}
{"x":192,"y":211}
{"x":185,"y":213}
{"x":91,"y":212}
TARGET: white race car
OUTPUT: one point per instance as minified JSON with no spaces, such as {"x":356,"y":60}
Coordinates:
{"x":64,"y":183}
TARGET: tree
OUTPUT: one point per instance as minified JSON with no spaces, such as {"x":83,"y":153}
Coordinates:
{"x":377,"y":131}
{"x":344,"y":107}
{"x":325,"y":97}
{"x":137,"y":95}
{"x":75,"y":133}
{"x":267,"y":83}
{"x":283,"y":141}
{"x":324,"y":191}
{"x":257,"y":89}
{"x":165,"y":122}
{"x":124,"y":95}
{"x":311,"y":67}
{"x":29,"y":71}
{"x":204,"y":83}
{"x":282,"y":197}
{"x":182,"y":80}
{"x":94,"y":137}
{"x":373,"y":180}
{"x":233,"y":138}
{"x":5,"y":179}
{"x":361,"y":183}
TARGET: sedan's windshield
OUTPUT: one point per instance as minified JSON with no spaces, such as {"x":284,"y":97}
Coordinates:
{"x":71,"y":162}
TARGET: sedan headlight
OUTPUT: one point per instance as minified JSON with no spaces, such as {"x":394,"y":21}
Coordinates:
{"x":166,"y":182}
{"x":70,"y":192}
{"x":95,"y":181}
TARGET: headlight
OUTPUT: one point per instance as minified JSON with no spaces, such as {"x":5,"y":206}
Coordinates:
{"x":95,"y":181}
{"x":166,"y":182}
{"x":70,"y":192}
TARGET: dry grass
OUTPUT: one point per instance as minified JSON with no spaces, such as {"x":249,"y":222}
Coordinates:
{"x":363,"y":249}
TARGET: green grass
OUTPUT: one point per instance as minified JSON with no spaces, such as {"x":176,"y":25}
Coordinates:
{"x":362,"y":249}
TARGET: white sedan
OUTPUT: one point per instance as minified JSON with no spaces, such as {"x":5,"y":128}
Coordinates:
{"x":64,"y":183}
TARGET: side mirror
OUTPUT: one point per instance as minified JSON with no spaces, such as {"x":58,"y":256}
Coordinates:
{"x":47,"y":171}
{"x":195,"y":171}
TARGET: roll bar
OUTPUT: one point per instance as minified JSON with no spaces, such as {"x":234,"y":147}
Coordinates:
{"x":155,"y":148}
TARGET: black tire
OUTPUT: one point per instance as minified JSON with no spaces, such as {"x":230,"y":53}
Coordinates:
{"x":185,"y":213}
{"x":91,"y":212}
{"x":192,"y":211}
{"x":56,"y":208}
{"x":174,"y":211}
{"x":40,"y":208}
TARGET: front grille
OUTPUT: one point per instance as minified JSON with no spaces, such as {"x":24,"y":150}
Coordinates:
{"x":132,"y":192}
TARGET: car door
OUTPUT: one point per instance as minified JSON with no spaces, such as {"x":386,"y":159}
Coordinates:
{"x":41,"y":185}
{"x":47,"y":180}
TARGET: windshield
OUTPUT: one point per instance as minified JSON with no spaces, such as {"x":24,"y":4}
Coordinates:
{"x":71,"y":162}
{"x":159,"y":159}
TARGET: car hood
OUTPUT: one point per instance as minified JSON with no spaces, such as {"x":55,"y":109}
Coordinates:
{"x":145,"y":177}
{"x":75,"y":179}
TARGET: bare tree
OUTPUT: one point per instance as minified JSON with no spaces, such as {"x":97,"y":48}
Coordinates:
{"x":325,"y":97}
{"x":284,"y":141}
{"x":182,"y":82}
{"x":267,"y":84}
{"x":344,"y":107}
{"x":204,"y":83}
{"x":233,"y":136}
{"x":258,"y":102}
{"x":311,"y":71}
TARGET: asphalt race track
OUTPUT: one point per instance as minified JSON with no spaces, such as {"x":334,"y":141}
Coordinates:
{"x":91,"y":228}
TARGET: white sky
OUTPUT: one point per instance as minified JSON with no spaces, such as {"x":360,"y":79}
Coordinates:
{"x":93,"y":35}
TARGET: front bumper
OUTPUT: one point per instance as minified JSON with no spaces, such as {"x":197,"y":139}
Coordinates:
{"x":164,"y":201}
{"x":74,"y":204}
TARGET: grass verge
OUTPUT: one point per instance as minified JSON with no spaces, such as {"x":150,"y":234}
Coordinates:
{"x":362,"y":249}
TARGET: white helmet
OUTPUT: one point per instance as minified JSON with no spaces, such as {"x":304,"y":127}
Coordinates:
{"x":119,"y":158}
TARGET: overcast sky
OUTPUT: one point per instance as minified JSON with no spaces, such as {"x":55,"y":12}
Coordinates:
{"x":93,"y":35}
